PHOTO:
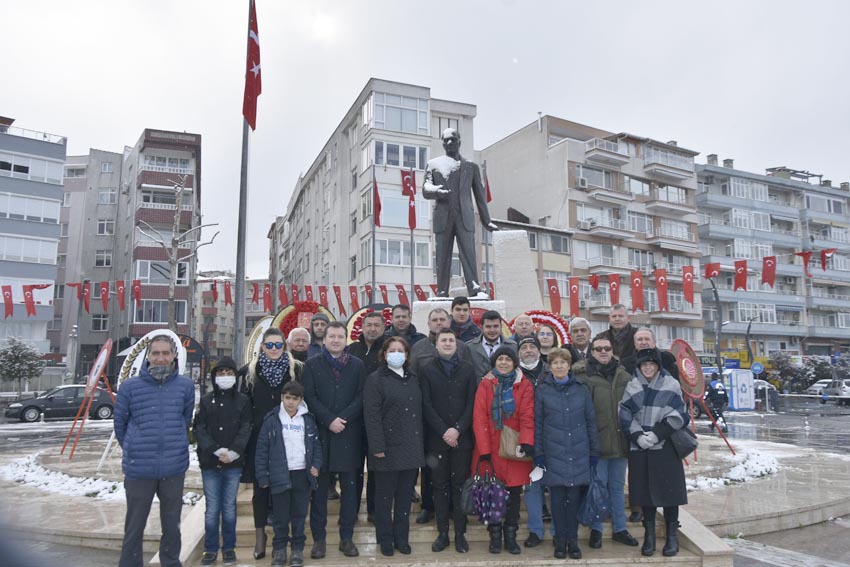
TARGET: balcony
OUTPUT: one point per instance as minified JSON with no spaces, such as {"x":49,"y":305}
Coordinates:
{"x":603,"y":265}
{"x":659,"y":203}
{"x":607,"y":227}
{"x":605,"y":152}
{"x":209,"y":310}
{"x":674,"y":271}
{"x":727,"y":294}
{"x":33,"y":135}
{"x":610,"y":195}
{"x":824,"y":217}
{"x":597,"y":306}
{"x":784,"y":209}
{"x":164,"y":206}
{"x":782,"y":328}
{"x":673,"y":239}
{"x":679,"y":311}
{"x":829,"y":332}
{"x":822,"y":299}
{"x":668,"y":165}
{"x":717,"y":229}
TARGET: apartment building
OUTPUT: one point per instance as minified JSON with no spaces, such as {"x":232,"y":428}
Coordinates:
{"x":30,"y":200}
{"x":325,"y":235}
{"x":213,"y":320}
{"x":745,"y":215}
{"x":598,"y":202}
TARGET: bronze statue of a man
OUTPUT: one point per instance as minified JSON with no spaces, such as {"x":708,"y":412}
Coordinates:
{"x":452,"y":182}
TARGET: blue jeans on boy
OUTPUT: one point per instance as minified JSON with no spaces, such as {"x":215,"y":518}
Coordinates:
{"x":612,"y":472}
{"x":220,"y":488}
{"x":534,"y":506}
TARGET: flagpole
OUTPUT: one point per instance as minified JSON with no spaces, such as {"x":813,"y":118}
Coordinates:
{"x":374,"y":216}
{"x":239,"y":307}
{"x":487,"y":245}
{"x":412,"y":242}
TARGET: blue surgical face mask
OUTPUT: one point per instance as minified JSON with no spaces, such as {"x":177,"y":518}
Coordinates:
{"x":395,"y":359}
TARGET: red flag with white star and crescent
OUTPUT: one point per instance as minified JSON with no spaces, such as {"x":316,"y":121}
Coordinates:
{"x":574,"y":297}
{"x":554,"y":295}
{"x":255,"y":296}
{"x":29,"y":302}
{"x":768,"y":270}
{"x":323,"y":296}
{"x":807,"y":257}
{"x":661,"y":289}
{"x":420,"y":293}
{"x":7,"y":301}
{"x":339,"y":302}
{"x":614,"y":288}
{"x":119,"y":290}
{"x":712,"y":270}
{"x":688,"y":283}
{"x":355,"y":301}
{"x":281,"y":295}
{"x":87,"y":296}
{"x":228,"y":293}
{"x":137,"y":293}
{"x":825,"y":255}
{"x":740,"y":275}
{"x":253,"y":79}
{"x":637,"y":291}
{"x":384,"y":294}
{"x":402,"y":295}
{"x":408,"y":187}
{"x":294,"y":294}
{"x":594,"y":281}
{"x":267,"y":298}
{"x":104,"y":295}
{"x":308,"y":293}
{"x":214,"y":288}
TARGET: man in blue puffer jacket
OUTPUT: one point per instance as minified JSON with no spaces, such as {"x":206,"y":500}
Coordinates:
{"x":152,"y":416}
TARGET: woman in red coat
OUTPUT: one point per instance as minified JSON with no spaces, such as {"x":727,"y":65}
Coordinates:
{"x":505,"y":398}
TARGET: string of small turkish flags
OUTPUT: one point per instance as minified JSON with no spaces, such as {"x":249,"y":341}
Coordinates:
{"x":84,"y":293}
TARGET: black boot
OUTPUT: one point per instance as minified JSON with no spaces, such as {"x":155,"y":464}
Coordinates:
{"x":495,"y":537}
{"x":671,"y":546}
{"x":560,"y":548}
{"x":510,"y":540}
{"x":648,"y":547}
{"x":441,"y":542}
{"x":573,"y":549}
{"x":461,"y":545}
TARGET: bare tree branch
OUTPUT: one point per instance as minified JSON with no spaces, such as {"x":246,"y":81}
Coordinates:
{"x":186,"y":232}
{"x":198,"y":247}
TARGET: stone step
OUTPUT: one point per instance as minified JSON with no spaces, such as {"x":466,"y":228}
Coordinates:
{"x":478,"y":556}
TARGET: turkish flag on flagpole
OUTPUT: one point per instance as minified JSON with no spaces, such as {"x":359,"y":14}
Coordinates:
{"x":688,"y":283}
{"x":574,"y":297}
{"x":355,"y":301}
{"x":339,"y":302}
{"x":740,"y":275}
{"x":281,"y":295}
{"x":308,"y":293}
{"x":119,"y":290}
{"x":215,"y":292}
{"x":661,"y":289}
{"x":434,"y":289}
{"x":29,"y":302}
{"x":712,"y":270}
{"x":637,"y":291}
{"x":554,"y":295}
{"x":384,"y":296}
{"x":420,"y":293}
{"x":376,"y":201}
{"x":487,"y":184}
{"x":369,"y":296}
{"x":228,"y":293}
{"x":87,"y":296}
{"x":78,"y":287}
{"x":408,"y":187}
{"x":807,"y":257}
{"x":137,"y":293}
{"x":402,"y":295}
{"x":7,"y":301}
{"x":826,"y":255}
{"x":614,"y":288}
{"x":594,"y":282}
{"x":267,"y":298}
{"x":294,"y":289}
{"x":768,"y":270}
{"x":253,"y":79}
{"x":255,"y":299}
{"x":323,"y":296}
{"x":104,"y":295}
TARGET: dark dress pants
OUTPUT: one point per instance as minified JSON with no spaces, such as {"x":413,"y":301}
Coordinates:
{"x":394,"y":493}
{"x":449,"y":475}
{"x":565,"y":503}
{"x":139,"y":494}
{"x":290,"y":509}
{"x":347,"y":505}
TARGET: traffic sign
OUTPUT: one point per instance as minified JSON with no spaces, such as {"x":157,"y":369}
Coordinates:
{"x":757,"y":368}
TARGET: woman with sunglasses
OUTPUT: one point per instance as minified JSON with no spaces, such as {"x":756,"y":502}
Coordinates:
{"x":607,"y":380}
{"x":262,"y":381}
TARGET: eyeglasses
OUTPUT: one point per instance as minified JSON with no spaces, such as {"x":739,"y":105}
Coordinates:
{"x":602,"y":349}
{"x":273,"y":345}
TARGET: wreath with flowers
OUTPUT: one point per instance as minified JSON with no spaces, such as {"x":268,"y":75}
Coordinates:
{"x":287,"y":318}
{"x":542,"y":317}
{"x":355,"y":322}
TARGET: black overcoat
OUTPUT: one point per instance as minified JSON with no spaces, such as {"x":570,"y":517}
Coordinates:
{"x":448,"y":401}
{"x":392,"y":406}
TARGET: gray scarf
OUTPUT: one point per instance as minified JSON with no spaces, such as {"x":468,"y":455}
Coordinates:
{"x":160,"y":373}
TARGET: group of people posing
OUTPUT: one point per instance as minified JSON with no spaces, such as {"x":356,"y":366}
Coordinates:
{"x":312,"y":410}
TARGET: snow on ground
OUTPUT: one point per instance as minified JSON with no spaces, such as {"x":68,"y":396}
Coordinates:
{"x":51,"y":426}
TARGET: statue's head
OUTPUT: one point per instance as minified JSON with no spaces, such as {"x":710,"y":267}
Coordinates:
{"x":451,"y":140}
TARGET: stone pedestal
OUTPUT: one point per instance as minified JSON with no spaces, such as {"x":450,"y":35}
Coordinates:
{"x":516,"y":275}
{"x":419,"y":311}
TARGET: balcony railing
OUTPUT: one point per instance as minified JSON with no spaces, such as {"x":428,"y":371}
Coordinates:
{"x":164,"y":206}
{"x":167,"y":169}
{"x":607,"y":145}
{"x":608,"y":222}
{"x":816,"y":292}
{"x":682,"y":200}
{"x":676,"y":234}
{"x":33,"y":135}
{"x":669,"y":159}
{"x":611,"y":263}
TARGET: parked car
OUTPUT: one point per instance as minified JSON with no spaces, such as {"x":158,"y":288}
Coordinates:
{"x":838,"y":390}
{"x":61,"y":402}
{"x":816,"y":388}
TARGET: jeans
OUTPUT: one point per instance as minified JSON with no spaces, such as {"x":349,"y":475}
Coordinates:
{"x":347,"y":505}
{"x":290,"y":510}
{"x":220,"y":488}
{"x":139,"y":494}
{"x":565,"y":503}
{"x":394,"y":492}
{"x":612,"y":472}
{"x":534,"y":506}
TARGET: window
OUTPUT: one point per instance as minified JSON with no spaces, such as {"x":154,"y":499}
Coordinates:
{"x":443,"y":123}
{"x":823,"y":204}
{"x":21,"y":207}
{"x":151,"y":272}
{"x":675,"y":229}
{"x":397,"y":253}
{"x":555,"y":243}
{"x":34,"y":169}
{"x":563,"y":279}
{"x":637,"y":186}
{"x":66,"y":199}
{"x":672,"y":194}
{"x":156,"y":311}
{"x":60,"y":260}
{"x":398,"y":155}
{"x":532,"y":240}
{"x":745,"y":189}
{"x":106,"y":167}
{"x":763,"y":313}
{"x":107,"y":196}
{"x":105,"y":227}
{"x":55,"y":324}
{"x":595,"y":177}
{"x":366,"y":205}
{"x":163,"y":198}
{"x":394,"y":209}
{"x":366,"y":253}
{"x":641,"y":258}
{"x":58,"y":291}
{"x":353,"y":228}
{"x":639,"y":222}
{"x":103,"y":259}
{"x":399,"y":113}
{"x":99,"y":322}
{"x":353,"y":179}
{"x":667,"y":157}
{"x":63,"y":230}
{"x":71,"y":172}
{"x":352,"y":268}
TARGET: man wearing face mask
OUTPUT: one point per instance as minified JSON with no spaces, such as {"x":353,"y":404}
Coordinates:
{"x":530,"y":360}
{"x":222,"y":428}
{"x":299,"y":342}
{"x":153,"y":412}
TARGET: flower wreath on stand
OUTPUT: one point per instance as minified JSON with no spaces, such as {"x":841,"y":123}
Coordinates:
{"x":542,"y":317}
{"x":289,"y":317}
{"x":355,"y":323}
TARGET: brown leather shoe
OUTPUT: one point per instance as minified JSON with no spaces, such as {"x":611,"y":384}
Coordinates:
{"x":348,"y":548}
{"x":318,"y":551}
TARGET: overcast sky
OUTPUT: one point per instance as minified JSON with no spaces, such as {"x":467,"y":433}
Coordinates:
{"x":763,"y":82}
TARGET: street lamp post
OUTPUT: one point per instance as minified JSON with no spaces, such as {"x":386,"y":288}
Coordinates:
{"x":718,"y":327}
{"x":747,"y":338}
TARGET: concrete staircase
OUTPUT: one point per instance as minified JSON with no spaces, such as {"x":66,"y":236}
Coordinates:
{"x":699,"y":547}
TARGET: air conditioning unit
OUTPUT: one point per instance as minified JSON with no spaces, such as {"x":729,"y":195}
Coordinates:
{"x":582,"y":304}
{"x":789,"y":279}
{"x":582,"y":183}
{"x":584,"y":225}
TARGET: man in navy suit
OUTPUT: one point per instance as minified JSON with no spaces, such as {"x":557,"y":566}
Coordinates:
{"x":453,"y":181}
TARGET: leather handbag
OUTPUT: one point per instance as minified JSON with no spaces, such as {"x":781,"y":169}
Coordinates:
{"x":508,"y":443}
{"x":684,"y":442}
